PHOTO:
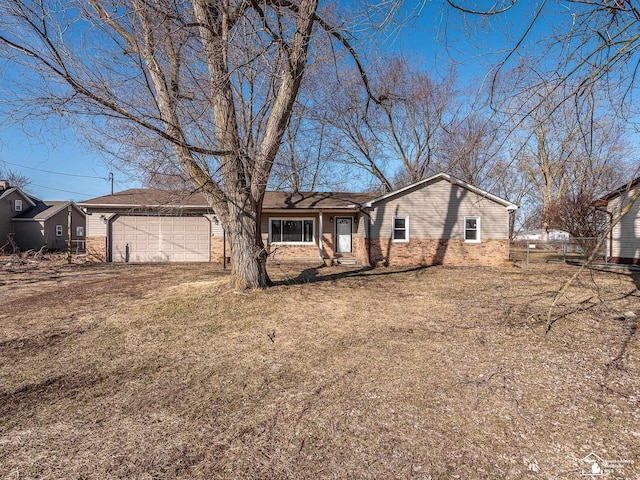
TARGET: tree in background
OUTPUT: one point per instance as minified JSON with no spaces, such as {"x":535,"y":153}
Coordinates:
{"x":570,"y":69}
{"x":567,"y":154}
{"x":15,"y":179}
{"x":473,"y":150}
{"x":397,"y":140}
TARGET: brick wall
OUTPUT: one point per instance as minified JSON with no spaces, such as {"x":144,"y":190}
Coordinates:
{"x":217,"y":248}
{"x":360,"y":250}
{"x":293,"y":252}
{"x":439,"y":252}
{"x":96,"y":249}
{"x":328,"y":247}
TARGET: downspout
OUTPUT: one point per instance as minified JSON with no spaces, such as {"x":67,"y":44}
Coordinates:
{"x":368,"y":234}
{"x":320,"y":234}
{"x":224,"y":249}
{"x":108,"y":242}
{"x":609,"y":232}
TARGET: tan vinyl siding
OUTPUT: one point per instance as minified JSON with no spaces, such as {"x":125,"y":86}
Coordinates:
{"x":437,"y":210}
{"x":359,"y":226}
{"x":96,"y":226}
{"x":328,"y":223}
{"x":216,"y":229}
{"x":626,"y":234}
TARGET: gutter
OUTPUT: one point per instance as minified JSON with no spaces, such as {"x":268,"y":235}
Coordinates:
{"x":138,"y":206}
{"x":610,"y":233}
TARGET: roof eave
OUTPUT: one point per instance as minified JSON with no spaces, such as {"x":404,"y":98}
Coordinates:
{"x":139,"y":206}
{"x":453,"y":180}
{"x":310,"y":209}
{"x":24,"y":195}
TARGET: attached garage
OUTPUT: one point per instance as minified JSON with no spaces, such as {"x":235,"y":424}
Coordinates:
{"x":158,"y":238}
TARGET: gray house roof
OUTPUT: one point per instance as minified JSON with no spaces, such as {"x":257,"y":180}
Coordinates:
{"x":315,"y":200}
{"x":148,"y":197}
{"x":602,"y":201}
{"x":6,"y":192}
{"x":44,"y":210}
{"x":154,"y":198}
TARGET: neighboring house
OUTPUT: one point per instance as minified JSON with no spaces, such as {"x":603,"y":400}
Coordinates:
{"x":13,"y":202}
{"x":624,"y":240}
{"x":47,"y":225}
{"x":34,"y":223}
{"x":439,"y":220}
{"x":554,"y":235}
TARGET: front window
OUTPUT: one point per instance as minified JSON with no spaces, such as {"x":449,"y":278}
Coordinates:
{"x":18,"y":206}
{"x":58,"y":230}
{"x":287,"y":230}
{"x":471,"y":229}
{"x":400,"y":229}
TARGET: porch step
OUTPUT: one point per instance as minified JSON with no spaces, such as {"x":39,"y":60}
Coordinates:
{"x":346,"y":261}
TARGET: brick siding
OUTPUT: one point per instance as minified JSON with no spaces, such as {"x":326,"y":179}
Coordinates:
{"x":96,"y":249}
{"x":439,"y":252}
{"x":279,"y":253}
{"x":217,"y":249}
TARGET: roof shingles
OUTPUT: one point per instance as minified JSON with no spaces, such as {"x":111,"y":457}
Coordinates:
{"x":138,"y":197}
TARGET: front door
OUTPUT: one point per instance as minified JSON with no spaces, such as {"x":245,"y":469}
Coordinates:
{"x":344,"y":227}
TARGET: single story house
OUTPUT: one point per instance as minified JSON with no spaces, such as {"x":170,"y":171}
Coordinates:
{"x":623,"y":243}
{"x":33,"y":223}
{"x":439,"y":220}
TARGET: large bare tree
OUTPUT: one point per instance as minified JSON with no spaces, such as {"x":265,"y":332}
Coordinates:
{"x":204,"y":86}
{"x":567,"y":152}
{"x":399,"y":138}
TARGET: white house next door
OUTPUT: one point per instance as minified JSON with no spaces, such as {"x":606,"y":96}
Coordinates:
{"x":344,"y":227}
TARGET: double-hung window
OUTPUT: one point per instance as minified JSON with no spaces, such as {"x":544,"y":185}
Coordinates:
{"x":291,"y":230}
{"x":58,"y":230}
{"x":472,"y":229}
{"x":17,"y":206}
{"x":400,"y":229}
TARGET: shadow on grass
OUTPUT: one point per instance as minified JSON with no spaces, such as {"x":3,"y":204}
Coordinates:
{"x":314,"y":274}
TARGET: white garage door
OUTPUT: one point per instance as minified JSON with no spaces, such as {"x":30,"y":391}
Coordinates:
{"x":160,"y":239}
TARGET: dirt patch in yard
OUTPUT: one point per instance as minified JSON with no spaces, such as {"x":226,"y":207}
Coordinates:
{"x":160,"y":371}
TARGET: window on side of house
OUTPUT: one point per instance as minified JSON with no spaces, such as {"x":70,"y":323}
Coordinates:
{"x":472,"y":229}
{"x":400,"y":229}
{"x":58,"y":230}
{"x":17,"y":206}
{"x":291,"y":230}
{"x":79,"y":231}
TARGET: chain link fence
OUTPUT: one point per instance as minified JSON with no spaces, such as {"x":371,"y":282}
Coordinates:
{"x":573,"y":250}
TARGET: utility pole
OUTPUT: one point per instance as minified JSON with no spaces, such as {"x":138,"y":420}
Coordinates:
{"x":111,"y":179}
{"x":69,"y":208}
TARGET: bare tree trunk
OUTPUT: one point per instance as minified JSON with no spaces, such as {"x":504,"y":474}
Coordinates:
{"x":248,"y":253}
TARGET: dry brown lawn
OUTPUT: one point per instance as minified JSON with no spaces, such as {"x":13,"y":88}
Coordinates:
{"x":159,"y":371}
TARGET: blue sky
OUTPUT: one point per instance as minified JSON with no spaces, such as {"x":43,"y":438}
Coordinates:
{"x":58,"y":168}
{"x":61,"y":168}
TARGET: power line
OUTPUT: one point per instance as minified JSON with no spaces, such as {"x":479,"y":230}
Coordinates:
{"x":53,"y":173}
{"x":60,"y":190}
